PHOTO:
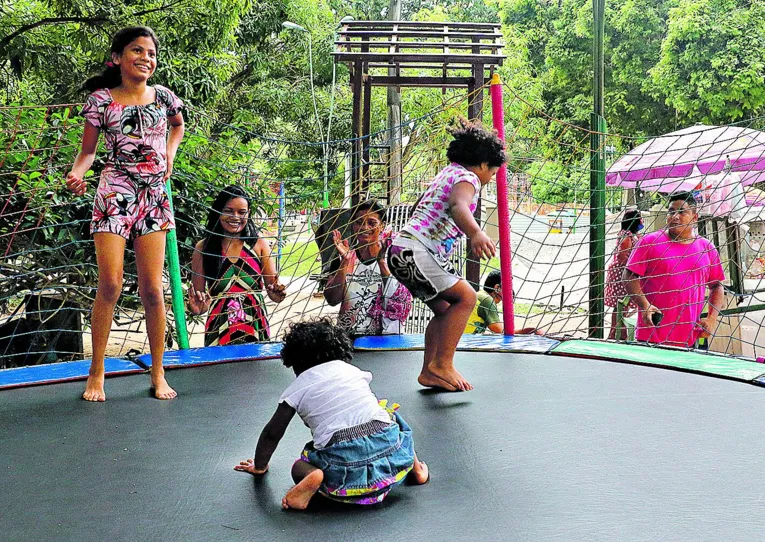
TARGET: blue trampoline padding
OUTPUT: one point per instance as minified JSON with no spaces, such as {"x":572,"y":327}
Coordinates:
{"x":530,"y":344}
{"x":61,"y":372}
{"x":217,"y":354}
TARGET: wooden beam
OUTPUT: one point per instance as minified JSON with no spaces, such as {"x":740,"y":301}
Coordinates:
{"x":475,"y":112}
{"x":356,"y":79}
{"x":465,"y":66}
{"x":425,"y":82}
{"x":394,"y":155}
{"x":343,"y":56}
{"x":419,"y":24}
{"x":365,"y":139}
{"x":419,"y":34}
{"x":343,"y":45}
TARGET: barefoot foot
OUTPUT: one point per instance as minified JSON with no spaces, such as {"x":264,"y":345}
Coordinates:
{"x":431,"y":381}
{"x":462,"y":383}
{"x":94,"y":388}
{"x":449,"y":379}
{"x":299,"y":496}
{"x":419,"y":473}
{"x":161,"y":388}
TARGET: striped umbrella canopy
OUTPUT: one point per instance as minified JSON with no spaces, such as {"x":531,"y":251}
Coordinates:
{"x":680,"y":160}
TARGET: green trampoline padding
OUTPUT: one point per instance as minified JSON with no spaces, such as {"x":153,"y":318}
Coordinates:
{"x":733,"y":368}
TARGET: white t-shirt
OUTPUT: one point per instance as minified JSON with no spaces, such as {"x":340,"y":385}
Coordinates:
{"x":357,"y":311}
{"x":333,"y":396}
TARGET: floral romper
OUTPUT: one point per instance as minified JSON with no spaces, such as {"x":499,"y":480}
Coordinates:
{"x":131,"y":199}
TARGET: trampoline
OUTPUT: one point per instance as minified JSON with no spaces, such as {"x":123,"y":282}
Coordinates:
{"x":545,"y":447}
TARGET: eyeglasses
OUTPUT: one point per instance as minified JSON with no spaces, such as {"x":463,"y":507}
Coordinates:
{"x":686,"y":211}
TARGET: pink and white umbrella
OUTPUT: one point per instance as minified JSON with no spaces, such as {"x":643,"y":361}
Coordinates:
{"x":679,"y":160}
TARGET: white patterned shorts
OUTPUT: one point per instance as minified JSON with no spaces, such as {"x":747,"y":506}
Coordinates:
{"x":424,"y":273}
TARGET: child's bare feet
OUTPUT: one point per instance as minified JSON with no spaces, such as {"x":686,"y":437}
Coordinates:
{"x":462,"y":383}
{"x":429,"y":380}
{"x":94,"y":388}
{"x":448,"y":379}
{"x":299,"y":496}
{"x":161,"y":388}
{"x":419,"y":473}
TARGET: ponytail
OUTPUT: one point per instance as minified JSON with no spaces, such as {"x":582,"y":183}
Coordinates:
{"x":109,"y":78}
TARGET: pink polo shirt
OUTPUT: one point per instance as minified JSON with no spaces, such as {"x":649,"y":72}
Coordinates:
{"x":674,"y":278}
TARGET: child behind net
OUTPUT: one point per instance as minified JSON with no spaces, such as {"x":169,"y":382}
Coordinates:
{"x":360,"y":449}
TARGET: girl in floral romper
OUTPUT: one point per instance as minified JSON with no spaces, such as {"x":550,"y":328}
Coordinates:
{"x":131,"y":201}
{"x":419,"y":255}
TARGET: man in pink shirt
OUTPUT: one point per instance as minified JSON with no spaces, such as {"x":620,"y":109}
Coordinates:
{"x":667,"y":276}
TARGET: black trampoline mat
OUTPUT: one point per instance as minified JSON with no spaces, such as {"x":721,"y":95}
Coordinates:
{"x":545,"y":448}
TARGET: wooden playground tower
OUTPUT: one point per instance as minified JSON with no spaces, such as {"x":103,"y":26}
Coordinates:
{"x":411,"y":54}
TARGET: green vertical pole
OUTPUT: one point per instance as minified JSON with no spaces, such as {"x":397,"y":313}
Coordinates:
{"x":176,"y":286}
{"x":597,"y":181}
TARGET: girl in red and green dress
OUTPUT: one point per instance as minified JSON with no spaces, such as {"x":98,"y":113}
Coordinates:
{"x":231,"y":269}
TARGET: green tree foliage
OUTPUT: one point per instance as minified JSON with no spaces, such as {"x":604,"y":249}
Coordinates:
{"x":55,"y":45}
{"x":669,"y":63}
{"x":712,"y":61}
{"x":556,"y":183}
{"x":558,"y":36}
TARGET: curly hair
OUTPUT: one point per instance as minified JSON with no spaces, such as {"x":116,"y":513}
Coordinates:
{"x":307,"y":344}
{"x":474,"y":145}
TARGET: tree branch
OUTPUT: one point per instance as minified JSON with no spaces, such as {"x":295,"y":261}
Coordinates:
{"x":94,"y":21}
{"x":146,"y":12}
{"x":238,"y":78}
{"x":49,"y":20}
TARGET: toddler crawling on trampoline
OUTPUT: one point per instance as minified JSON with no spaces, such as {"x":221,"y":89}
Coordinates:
{"x":361,"y":448}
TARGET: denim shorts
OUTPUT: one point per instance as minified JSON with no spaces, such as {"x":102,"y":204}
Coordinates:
{"x":362,"y":464}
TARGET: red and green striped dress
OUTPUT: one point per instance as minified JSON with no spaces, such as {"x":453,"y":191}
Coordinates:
{"x":238,"y":312}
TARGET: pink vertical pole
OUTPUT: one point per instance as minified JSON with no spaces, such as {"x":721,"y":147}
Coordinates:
{"x":503,"y":208}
